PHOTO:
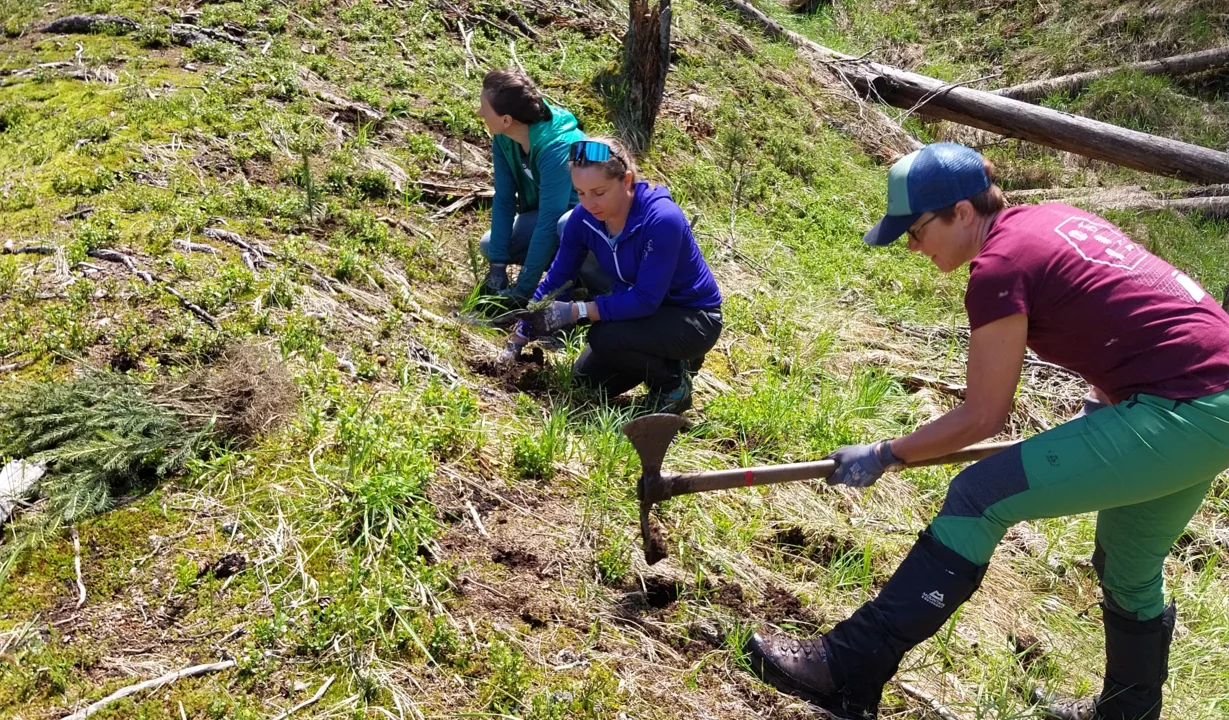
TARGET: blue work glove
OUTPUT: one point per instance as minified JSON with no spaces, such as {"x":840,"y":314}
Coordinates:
{"x":1090,"y":406}
{"x":496,"y":279}
{"x":862,"y":465}
{"x":547,"y":320}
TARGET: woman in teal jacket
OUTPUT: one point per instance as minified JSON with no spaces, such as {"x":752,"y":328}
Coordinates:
{"x":533,"y":185}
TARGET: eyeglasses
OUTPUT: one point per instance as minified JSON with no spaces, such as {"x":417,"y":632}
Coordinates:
{"x":592,"y":151}
{"x":913,"y":232}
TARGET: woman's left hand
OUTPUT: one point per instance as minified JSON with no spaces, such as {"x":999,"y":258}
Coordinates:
{"x":547,"y":320}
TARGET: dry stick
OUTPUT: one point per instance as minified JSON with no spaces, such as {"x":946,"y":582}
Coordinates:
{"x":1177,"y":65}
{"x":154,"y":684}
{"x":473,"y":513}
{"x":997,"y":114}
{"x":13,"y":367}
{"x":77,"y":566}
{"x":151,"y":279}
{"x":310,"y":701}
{"x":935,"y":706}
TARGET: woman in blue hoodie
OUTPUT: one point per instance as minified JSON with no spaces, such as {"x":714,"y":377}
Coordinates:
{"x":664,"y":312}
{"x":533,"y":189}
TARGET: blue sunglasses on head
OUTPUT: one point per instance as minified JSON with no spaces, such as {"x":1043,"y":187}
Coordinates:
{"x":590,"y":151}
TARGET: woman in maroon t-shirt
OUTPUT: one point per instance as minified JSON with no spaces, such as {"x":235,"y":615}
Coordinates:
{"x":1153,"y":435}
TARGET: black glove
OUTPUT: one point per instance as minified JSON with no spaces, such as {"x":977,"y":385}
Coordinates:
{"x":496,"y":279}
{"x":511,"y":298}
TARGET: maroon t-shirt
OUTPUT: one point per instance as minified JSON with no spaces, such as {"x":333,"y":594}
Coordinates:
{"x":1100,"y":305}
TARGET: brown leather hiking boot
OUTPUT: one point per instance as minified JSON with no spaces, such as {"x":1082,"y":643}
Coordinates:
{"x":797,"y":667}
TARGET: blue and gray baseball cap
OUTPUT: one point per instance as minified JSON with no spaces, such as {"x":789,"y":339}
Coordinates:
{"x":932,"y":178}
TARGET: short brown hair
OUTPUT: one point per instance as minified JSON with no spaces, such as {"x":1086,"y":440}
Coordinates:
{"x":986,"y":202}
{"x":512,"y":92}
{"x":619,"y":164}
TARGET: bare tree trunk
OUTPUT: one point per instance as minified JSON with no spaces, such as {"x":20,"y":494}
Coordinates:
{"x":1098,"y":199}
{"x":1011,"y":118}
{"x":645,"y":64}
{"x":1189,"y":64}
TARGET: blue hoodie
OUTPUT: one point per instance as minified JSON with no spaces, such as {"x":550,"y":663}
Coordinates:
{"x":655,"y":260}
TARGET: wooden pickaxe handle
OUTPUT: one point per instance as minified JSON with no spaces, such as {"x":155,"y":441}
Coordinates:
{"x":668,"y":485}
{"x":650,"y":435}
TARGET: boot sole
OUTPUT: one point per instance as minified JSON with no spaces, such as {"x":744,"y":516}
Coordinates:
{"x":784,"y":683}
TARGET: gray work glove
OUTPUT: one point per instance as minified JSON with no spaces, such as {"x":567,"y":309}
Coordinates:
{"x":547,"y":320}
{"x":512,"y":349}
{"x":1090,"y":406}
{"x":862,"y":465}
{"x":496,"y":278}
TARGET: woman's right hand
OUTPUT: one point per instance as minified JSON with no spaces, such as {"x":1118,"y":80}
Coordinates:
{"x":512,"y":348}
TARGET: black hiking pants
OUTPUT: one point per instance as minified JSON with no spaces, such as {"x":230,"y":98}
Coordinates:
{"x":654,"y":350}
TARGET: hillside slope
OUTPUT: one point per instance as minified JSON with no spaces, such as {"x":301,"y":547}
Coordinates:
{"x":426,"y":536}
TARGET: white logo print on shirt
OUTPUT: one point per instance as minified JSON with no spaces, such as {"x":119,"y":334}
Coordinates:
{"x":1105,"y":244}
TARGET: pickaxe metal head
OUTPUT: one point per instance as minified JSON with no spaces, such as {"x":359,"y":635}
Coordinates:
{"x":651,"y":436}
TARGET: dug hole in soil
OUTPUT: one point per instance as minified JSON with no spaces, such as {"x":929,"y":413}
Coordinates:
{"x":526,"y":374}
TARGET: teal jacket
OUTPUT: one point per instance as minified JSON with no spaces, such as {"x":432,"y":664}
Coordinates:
{"x":540,"y":182}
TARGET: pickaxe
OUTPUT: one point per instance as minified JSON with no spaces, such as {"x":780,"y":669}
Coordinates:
{"x":651,"y":435}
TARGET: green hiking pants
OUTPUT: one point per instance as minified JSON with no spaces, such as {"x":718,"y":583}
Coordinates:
{"x":1144,"y":464}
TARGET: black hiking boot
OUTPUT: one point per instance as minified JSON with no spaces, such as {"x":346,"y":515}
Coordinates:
{"x":844,"y":671}
{"x":1136,"y":667}
{"x":1053,"y":707}
{"x":798,"y":667}
{"x":676,"y":401}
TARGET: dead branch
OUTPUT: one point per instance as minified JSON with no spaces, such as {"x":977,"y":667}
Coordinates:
{"x":1178,"y":65}
{"x":308,"y":702}
{"x":77,"y":566}
{"x":436,"y":190}
{"x":189,"y":35}
{"x":86,"y":24}
{"x":359,"y":110}
{"x":917,"y":382}
{"x":452,"y":208}
{"x":484,"y":20}
{"x":14,"y":367}
{"x":933,"y":704}
{"x":473,"y":514}
{"x":151,"y":279}
{"x":154,"y":684}
{"x":13,"y":72}
{"x":10,"y":249}
{"x":195,"y":247}
{"x":1012,"y":118}
{"x":256,"y":252}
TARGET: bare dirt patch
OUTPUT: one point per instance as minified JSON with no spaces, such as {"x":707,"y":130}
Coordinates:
{"x":527,"y":375}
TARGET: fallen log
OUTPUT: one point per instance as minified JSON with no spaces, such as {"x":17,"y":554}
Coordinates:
{"x":1061,"y":194}
{"x":86,"y":24}
{"x":1004,"y":116}
{"x":1192,"y":200}
{"x":1189,"y":64}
